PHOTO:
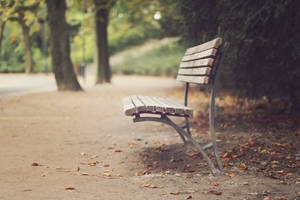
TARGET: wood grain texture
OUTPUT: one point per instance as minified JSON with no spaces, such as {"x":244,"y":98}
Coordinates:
{"x":195,"y":71}
{"x":216,"y":43}
{"x":128,"y":106}
{"x":204,"y":54}
{"x":197,"y":63}
{"x":148,"y":104}
{"x":194,"y":79}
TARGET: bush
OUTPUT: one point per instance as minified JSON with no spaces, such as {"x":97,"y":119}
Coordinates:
{"x":163,"y":60}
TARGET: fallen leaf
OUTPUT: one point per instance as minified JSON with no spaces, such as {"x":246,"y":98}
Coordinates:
{"x":69,"y":188}
{"x":106,"y":165}
{"x":214,"y":192}
{"x":189,"y":197}
{"x":266,"y":198}
{"x":118,"y":150}
{"x":150,"y":186}
{"x":175,"y":193}
{"x":215,"y":184}
{"x":84,"y":174}
{"x":136,"y":174}
{"x":188,"y":171}
{"x":231,"y":175}
{"x":132,"y":144}
{"x":35,"y":164}
{"x":107,"y":174}
{"x":82,"y":153}
{"x":93,"y":163}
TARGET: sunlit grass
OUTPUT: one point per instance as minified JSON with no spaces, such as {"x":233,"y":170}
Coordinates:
{"x":163,"y":60}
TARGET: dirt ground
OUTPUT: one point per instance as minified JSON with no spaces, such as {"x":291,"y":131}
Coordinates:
{"x":63,"y":145}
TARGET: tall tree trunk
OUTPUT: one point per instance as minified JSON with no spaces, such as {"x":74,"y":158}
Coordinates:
{"x":101,"y":21}
{"x":60,"y":46}
{"x":27,"y":51}
{"x":2,"y":25}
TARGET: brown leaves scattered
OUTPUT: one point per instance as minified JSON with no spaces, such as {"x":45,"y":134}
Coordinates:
{"x":213,"y":192}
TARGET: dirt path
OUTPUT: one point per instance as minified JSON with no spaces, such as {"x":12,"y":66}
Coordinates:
{"x":81,"y":146}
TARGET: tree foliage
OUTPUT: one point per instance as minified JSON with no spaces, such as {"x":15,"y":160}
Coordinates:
{"x":264,"y":35}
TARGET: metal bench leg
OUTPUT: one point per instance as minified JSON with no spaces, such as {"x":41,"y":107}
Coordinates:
{"x":181,"y":132}
{"x":212,"y":128}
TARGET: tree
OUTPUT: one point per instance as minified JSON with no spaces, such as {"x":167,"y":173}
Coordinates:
{"x":2,"y":25}
{"x":60,"y":46}
{"x":21,"y":12}
{"x":101,"y":22}
{"x":264,"y":40}
{"x":26,"y":39}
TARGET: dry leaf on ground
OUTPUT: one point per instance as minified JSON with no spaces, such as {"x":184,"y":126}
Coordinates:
{"x":69,"y":188}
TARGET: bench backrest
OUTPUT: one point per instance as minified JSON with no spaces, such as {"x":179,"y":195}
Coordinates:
{"x":197,"y":63}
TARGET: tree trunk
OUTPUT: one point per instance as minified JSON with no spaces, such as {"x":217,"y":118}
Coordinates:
{"x":27,"y":51}
{"x":60,"y":46}
{"x":101,"y":21}
{"x":2,"y":25}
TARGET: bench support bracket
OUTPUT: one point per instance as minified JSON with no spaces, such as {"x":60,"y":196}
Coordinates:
{"x":183,"y":134}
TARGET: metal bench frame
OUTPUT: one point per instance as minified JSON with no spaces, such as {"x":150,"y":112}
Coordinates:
{"x":184,"y":130}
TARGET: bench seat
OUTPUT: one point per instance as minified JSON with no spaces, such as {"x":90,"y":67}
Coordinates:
{"x":138,"y":104}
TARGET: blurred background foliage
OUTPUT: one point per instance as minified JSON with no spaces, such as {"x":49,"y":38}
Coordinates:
{"x":264,"y":36}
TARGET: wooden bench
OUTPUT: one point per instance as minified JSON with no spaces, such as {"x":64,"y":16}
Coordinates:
{"x":199,"y":65}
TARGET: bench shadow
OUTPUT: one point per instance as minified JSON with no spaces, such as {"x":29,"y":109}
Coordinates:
{"x":172,"y":159}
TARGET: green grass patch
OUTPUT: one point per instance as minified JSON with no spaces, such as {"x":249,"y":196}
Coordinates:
{"x":163,"y":60}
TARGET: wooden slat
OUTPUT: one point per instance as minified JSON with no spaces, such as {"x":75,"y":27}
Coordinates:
{"x":168,"y":108}
{"x":197,"y":63}
{"x":179,"y":109}
{"x":140,"y":107}
{"x":159,"y":107}
{"x":195,"y":71}
{"x":203,"y":54}
{"x":216,"y":43}
{"x":194,"y":79}
{"x":129,"y":107}
{"x":149,"y":103}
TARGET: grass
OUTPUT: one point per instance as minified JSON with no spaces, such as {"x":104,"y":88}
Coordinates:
{"x":163,"y":60}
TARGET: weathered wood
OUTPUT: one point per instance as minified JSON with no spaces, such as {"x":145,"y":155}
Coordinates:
{"x":197,"y":63}
{"x":139,"y":106}
{"x":195,"y":71}
{"x":159,"y":106}
{"x":200,"y":55}
{"x":216,"y":43}
{"x":129,"y":107}
{"x":176,"y":108}
{"x":149,"y":103}
{"x":194,"y":79}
